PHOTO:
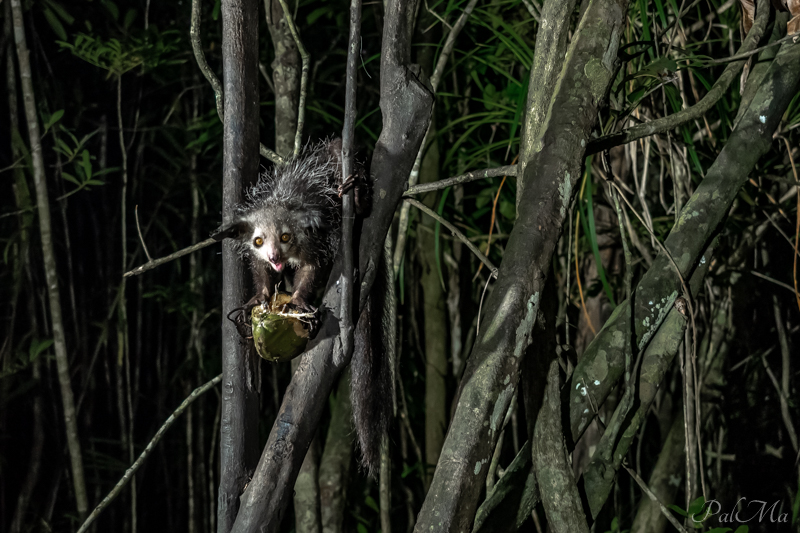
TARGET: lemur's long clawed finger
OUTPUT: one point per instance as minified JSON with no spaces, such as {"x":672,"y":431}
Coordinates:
{"x":347,"y":185}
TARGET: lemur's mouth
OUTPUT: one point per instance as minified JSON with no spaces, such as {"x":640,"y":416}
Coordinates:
{"x":277,"y":266}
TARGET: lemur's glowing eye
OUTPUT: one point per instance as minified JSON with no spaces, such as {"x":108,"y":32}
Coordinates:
{"x":258,"y":241}
{"x":286,"y":237}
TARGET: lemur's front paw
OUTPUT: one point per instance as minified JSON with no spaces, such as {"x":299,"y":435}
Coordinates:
{"x":301,"y":305}
{"x":347,"y":185}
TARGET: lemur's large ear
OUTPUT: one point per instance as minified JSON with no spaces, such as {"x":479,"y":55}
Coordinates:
{"x":310,"y":219}
{"x":335,"y":149}
{"x":233,"y":230}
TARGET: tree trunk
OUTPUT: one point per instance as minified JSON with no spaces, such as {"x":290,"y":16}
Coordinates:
{"x":334,"y":469}
{"x":50,"y":268}
{"x":492,"y":372}
{"x":239,"y":423}
{"x":434,"y":317}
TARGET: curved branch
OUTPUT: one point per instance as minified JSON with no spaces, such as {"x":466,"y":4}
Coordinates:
{"x":160,"y":261}
{"x":301,"y":105}
{"x":199,"y":391}
{"x":508,"y":170}
{"x":197,"y":47}
{"x":194,"y":35}
{"x":463,"y":238}
{"x":691,"y":113}
{"x":438,"y":71}
{"x":269,"y":154}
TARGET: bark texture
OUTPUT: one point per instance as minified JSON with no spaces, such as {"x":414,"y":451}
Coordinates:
{"x":664,"y":481}
{"x":49,"y":258}
{"x":492,"y":373}
{"x":239,"y":422}
{"x":510,"y":504}
{"x":285,"y":77}
{"x":701,"y":219}
{"x":334,"y":469}
{"x":551,"y":47}
{"x":560,"y":497}
{"x":435,"y":318}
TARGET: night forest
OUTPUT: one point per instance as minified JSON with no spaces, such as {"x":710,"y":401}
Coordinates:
{"x":580,"y":256}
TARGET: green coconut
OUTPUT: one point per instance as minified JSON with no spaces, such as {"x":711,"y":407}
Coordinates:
{"x":278,"y":333}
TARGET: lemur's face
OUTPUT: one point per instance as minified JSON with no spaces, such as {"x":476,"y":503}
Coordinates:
{"x":274,"y":239}
{"x":274,"y":245}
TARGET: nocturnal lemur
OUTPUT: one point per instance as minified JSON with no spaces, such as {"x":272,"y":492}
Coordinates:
{"x":292,"y":219}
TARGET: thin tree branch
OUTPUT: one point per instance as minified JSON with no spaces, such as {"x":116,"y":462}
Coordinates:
{"x":197,"y":46}
{"x":745,"y":55}
{"x":199,"y":391}
{"x":301,"y":105}
{"x":49,"y":259}
{"x":414,"y":175}
{"x":646,"y":490}
{"x":532,"y":9}
{"x":141,"y":237}
{"x":431,"y":213}
{"x":449,"y":44}
{"x":171,"y":257}
{"x":348,"y":131}
{"x":687,"y":115}
{"x":508,"y":170}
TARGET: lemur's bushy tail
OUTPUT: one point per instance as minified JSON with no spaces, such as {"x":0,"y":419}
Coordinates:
{"x":372,"y":376}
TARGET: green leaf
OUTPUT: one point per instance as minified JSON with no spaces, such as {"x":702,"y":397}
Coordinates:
{"x":742,"y":529}
{"x":661,"y":14}
{"x":697,"y":505}
{"x":112,"y":8}
{"x":55,"y":117}
{"x":37,"y":347}
{"x":70,"y":178}
{"x":362,"y":528}
{"x":508,"y":209}
{"x":63,"y":148}
{"x":474,"y":75}
{"x":489,"y":96}
{"x":646,"y":36}
{"x":409,"y":469}
{"x":484,"y":198}
{"x":370,"y":502}
{"x":436,"y":240}
{"x":86,"y":164}
{"x":60,"y":11}
{"x":678,"y":510}
{"x":55,"y":24}
{"x":591,"y":233}
{"x":659,"y":67}
{"x":19,"y":144}
{"x":107,"y":170}
{"x":130,"y":16}
{"x":317,"y":13}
